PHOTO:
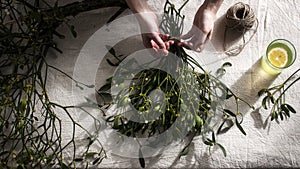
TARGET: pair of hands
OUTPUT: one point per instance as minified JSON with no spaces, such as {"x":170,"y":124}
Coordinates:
{"x":195,"y":39}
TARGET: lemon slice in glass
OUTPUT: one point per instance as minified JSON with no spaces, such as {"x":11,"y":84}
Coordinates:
{"x":278,"y":57}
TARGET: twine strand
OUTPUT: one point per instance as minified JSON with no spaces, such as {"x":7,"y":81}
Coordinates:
{"x":240,"y":17}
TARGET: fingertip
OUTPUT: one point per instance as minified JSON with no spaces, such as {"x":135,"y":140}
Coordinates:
{"x":184,"y":44}
{"x":165,"y":52}
{"x":167,"y":44}
{"x":154,"y":45}
{"x":165,"y":37}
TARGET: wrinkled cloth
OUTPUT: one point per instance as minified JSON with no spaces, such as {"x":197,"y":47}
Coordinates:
{"x":267,"y":144}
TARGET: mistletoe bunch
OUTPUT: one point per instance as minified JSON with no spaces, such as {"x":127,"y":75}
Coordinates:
{"x":196,"y":103}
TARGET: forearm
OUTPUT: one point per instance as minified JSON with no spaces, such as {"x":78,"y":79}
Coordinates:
{"x":212,"y":5}
{"x":138,"y":6}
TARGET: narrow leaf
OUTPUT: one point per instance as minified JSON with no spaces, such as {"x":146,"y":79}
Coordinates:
{"x":240,"y":127}
{"x":272,"y":99}
{"x":111,"y":63}
{"x":222,"y":148}
{"x":72,"y":29}
{"x":141,"y":159}
{"x":90,"y":154}
{"x":111,"y":50}
{"x":96,"y":160}
{"x":105,"y":87}
{"x":261,"y":92}
{"x":228,"y":96}
{"x":274,"y":115}
{"x":78,"y":159}
{"x":119,"y":12}
{"x":208,"y":143}
{"x":185,"y":151}
{"x":227,"y":64}
{"x":280,"y":115}
{"x":264,"y":102}
{"x":213,"y":137}
{"x":229,"y":112}
{"x":290,"y":108}
{"x":284,"y":108}
{"x":220,"y":128}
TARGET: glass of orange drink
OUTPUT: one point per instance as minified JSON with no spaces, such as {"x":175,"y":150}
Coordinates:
{"x":279,"y":55}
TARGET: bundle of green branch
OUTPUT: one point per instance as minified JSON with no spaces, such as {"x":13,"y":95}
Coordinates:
{"x":274,"y":98}
{"x":195,"y":103}
{"x":30,"y":127}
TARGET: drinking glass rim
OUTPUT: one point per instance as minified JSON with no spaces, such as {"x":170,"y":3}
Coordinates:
{"x":290,"y":49}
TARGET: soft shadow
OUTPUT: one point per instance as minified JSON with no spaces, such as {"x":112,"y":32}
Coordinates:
{"x":248,"y":86}
{"x":232,"y":37}
{"x":258,"y":121}
{"x":230,"y":40}
{"x":124,"y":48}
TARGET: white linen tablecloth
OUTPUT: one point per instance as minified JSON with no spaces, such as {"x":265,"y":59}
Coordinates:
{"x":265,"y":145}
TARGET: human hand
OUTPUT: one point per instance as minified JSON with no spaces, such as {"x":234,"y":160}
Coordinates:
{"x":149,"y":27}
{"x":151,"y":34}
{"x":201,"y":31}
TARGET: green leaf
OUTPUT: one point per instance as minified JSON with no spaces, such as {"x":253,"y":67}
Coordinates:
{"x":111,"y":50}
{"x":72,"y":29}
{"x":222,"y":148}
{"x":109,"y":80}
{"x":111,"y":63}
{"x":213,"y":137}
{"x":228,"y":96}
{"x":96,"y":160}
{"x":59,"y":35}
{"x":90,"y":154}
{"x":284,"y":108}
{"x":272,"y":99}
{"x":239,"y":126}
{"x":210,"y":143}
{"x":229,"y":112}
{"x":105,"y":87}
{"x":184,"y":152}
{"x":261,"y":92}
{"x":273,"y":115}
{"x":287,"y":113}
{"x":290,"y":108}
{"x":141,"y":158}
{"x":227,"y":64}
{"x":199,"y":122}
{"x":280,"y":115}
{"x":116,"y":122}
{"x":219,"y":131}
{"x":264,"y":102}
{"x":110,"y":119}
{"x":64,"y":166}
{"x":78,"y":159}
{"x":119,"y":12}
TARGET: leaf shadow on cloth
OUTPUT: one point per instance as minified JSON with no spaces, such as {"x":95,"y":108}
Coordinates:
{"x":248,"y":86}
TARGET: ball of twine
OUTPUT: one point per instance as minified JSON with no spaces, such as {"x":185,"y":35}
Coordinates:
{"x":240,"y":17}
